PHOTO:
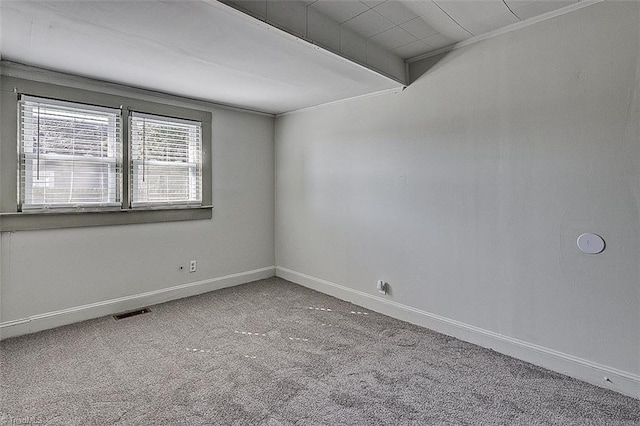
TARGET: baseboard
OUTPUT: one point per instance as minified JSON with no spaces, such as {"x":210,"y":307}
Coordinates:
{"x":582,"y":369}
{"x":54,"y":319}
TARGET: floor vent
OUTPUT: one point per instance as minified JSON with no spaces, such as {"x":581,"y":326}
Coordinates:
{"x":124,"y":315}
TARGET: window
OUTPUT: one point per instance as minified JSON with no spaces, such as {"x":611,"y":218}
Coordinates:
{"x":70,"y":155}
{"x":166,"y":160}
{"x":88,"y":158}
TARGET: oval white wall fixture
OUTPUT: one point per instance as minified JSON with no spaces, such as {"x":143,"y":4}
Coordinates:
{"x":591,"y":243}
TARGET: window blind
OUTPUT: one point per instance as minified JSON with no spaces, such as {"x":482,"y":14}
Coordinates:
{"x":166,"y":156}
{"x":70,"y":155}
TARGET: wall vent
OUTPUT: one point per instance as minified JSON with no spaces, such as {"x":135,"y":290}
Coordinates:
{"x":128,"y":314}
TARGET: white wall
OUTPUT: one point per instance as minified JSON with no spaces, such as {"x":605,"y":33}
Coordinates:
{"x":43,"y":273}
{"x":467,"y":191}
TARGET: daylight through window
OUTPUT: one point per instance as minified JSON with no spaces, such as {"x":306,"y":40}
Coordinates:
{"x":71,"y":155}
{"x":166,"y":160}
{"x":72,"y":158}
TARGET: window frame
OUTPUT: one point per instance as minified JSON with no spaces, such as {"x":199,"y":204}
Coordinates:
{"x":27,"y":129}
{"x":136,"y":163}
{"x":13,"y":220}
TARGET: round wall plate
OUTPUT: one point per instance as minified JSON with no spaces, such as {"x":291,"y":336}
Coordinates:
{"x":591,"y":243}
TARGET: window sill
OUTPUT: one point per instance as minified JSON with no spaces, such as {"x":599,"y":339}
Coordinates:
{"x":77,"y":219}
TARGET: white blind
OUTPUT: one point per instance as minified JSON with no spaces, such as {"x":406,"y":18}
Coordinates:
{"x":70,"y":155}
{"x":166,"y":156}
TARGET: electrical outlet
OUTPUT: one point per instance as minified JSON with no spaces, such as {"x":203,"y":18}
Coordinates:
{"x":382,"y":287}
{"x":193,"y":266}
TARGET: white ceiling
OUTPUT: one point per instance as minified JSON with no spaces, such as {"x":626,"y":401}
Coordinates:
{"x":198,"y":49}
{"x":207,"y":50}
{"x":406,"y":28}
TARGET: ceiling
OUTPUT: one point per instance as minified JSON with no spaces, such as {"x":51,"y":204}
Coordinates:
{"x":272,"y":56}
{"x":406,"y":28}
{"x":197,"y":49}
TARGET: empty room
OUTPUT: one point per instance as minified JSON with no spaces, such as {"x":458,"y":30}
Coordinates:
{"x":320,"y":212}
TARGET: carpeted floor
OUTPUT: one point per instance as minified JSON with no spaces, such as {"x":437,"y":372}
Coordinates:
{"x":274,"y":353}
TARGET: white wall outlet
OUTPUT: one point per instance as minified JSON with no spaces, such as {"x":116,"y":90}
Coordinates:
{"x":193,"y":266}
{"x":382,"y":287}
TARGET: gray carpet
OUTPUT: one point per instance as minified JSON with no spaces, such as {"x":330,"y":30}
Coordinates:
{"x":274,"y":353}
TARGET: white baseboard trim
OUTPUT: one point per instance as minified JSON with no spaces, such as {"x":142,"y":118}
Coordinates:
{"x":582,"y":369}
{"x":54,"y":319}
